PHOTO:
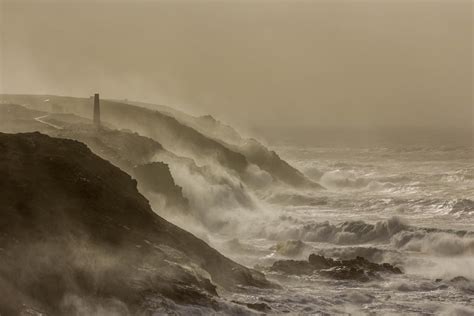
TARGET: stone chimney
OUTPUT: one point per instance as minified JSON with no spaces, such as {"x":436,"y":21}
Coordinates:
{"x":97,"y":111}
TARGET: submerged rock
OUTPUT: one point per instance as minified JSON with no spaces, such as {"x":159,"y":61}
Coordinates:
{"x":355,"y":269}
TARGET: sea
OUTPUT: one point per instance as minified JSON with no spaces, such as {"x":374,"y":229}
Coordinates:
{"x":410,"y":206}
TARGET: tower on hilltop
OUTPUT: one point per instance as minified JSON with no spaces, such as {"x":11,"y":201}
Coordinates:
{"x":97,"y":111}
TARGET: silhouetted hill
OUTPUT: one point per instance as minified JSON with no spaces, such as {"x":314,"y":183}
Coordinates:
{"x":74,"y":230}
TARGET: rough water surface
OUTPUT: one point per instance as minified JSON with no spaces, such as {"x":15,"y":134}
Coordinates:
{"x":411,"y":207}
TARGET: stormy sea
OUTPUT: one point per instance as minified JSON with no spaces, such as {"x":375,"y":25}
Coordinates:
{"x":409,"y":206}
{"x":274,"y":228}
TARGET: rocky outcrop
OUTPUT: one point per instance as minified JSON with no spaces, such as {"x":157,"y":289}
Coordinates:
{"x":290,"y":248}
{"x":74,"y":230}
{"x":155,"y":178}
{"x":355,"y":269}
{"x":269,"y":161}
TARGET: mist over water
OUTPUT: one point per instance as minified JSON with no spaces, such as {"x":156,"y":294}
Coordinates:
{"x":347,"y":131}
{"x":413,"y":206}
{"x":408,"y":205}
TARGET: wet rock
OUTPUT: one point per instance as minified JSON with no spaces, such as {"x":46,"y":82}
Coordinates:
{"x":320,"y":262}
{"x":290,"y":248}
{"x":462,"y":283}
{"x":355,"y":269}
{"x":261,"y":307}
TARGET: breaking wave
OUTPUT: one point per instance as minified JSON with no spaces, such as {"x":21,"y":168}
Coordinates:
{"x":346,"y":233}
{"x":438,"y":243}
{"x":343,"y":179}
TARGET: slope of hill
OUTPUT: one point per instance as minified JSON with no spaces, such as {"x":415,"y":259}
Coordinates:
{"x":205,"y":124}
{"x":202,"y":139}
{"x":74,"y":230}
{"x":129,"y":151}
{"x":180,"y":139}
{"x":174,"y":185}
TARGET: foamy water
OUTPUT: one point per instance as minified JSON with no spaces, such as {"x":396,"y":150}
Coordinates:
{"x":412,"y":207}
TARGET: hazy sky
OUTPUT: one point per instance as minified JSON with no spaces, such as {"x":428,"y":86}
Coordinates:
{"x":289,"y":63}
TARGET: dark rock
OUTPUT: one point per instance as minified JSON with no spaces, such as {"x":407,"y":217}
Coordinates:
{"x":320,"y":262}
{"x":74,"y":225}
{"x":290,"y":248}
{"x":296,"y":267}
{"x":459,"y":279}
{"x":155,"y":177}
{"x":261,"y":307}
{"x":355,"y":269}
{"x":348,"y":273}
{"x":194,"y":137}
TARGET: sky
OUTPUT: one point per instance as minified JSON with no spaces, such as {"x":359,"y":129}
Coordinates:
{"x":338,"y":63}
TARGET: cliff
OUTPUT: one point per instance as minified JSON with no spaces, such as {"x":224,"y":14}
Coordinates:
{"x":74,"y":227}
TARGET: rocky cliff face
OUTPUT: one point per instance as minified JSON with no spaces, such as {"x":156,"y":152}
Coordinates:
{"x":155,"y":178}
{"x":75,"y":233}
